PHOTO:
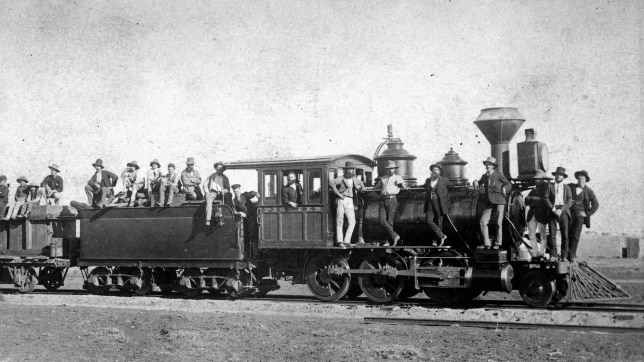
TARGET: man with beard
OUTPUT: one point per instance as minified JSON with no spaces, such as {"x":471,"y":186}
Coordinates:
{"x":496,"y":187}
{"x":346,"y":189}
{"x":191,"y":179}
{"x":292,"y":192}
{"x":584,"y":205}
{"x":389,"y":186}
{"x":216,"y":187}
{"x":436,"y":202}
{"x":561,"y":200}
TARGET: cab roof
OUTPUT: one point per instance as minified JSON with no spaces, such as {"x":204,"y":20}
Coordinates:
{"x":302,"y":161}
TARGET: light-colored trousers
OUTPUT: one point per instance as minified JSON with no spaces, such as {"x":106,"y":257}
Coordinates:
{"x":538,"y":248}
{"x":210,"y":197}
{"x":344,"y":207}
{"x":485,"y":219}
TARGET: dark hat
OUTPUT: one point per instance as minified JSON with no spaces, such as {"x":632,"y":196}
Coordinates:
{"x":219,"y":163}
{"x":491,"y":160}
{"x":190,"y":161}
{"x":133,"y":164}
{"x":254,"y":194}
{"x":440,"y":167}
{"x":3,"y":178}
{"x":583,"y":172}
{"x":235,"y":186}
{"x":155,"y":161}
{"x":390,"y":165}
{"x":98,"y":163}
{"x":171,"y":165}
{"x":54,"y":167}
{"x":22,"y":178}
{"x":560,"y":170}
{"x":348,"y":164}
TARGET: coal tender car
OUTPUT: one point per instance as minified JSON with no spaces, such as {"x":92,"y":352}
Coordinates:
{"x":170,"y":249}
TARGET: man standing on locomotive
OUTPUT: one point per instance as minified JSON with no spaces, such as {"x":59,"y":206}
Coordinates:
{"x":215,"y":188}
{"x":584,"y":205}
{"x":390,"y":185}
{"x":100,"y":186}
{"x":560,"y":199}
{"x":292,"y":192}
{"x":436,"y":202}
{"x":496,"y":188}
{"x":538,"y":215}
{"x":191,"y":179}
{"x":346,"y":189}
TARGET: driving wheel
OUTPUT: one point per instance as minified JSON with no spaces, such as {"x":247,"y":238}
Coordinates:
{"x":322,"y":284}
{"x":379,"y":286}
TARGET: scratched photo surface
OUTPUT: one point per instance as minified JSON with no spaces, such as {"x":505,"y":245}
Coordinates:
{"x":215,"y":80}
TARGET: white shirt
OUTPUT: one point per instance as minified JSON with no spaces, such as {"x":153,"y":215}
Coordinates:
{"x":433,"y":183}
{"x":389,"y":184}
{"x":99,"y":176}
{"x":578,"y":190}
{"x":559,"y":194}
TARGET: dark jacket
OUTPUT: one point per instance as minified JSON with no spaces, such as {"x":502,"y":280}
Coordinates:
{"x":291,"y":195}
{"x":441,"y":191}
{"x":539,"y":201}
{"x":4,"y":197}
{"x":54,"y":183}
{"x":494,"y":185}
{"x":567,"y":199}
{"x":589,"y":200}
{"x":239,"y":204}
{"x":251,"y":208}
{"x":22,"y":192}
{"x":108,"y":179}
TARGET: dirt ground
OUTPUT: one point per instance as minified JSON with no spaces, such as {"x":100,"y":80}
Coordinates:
{"x":73,"y":327}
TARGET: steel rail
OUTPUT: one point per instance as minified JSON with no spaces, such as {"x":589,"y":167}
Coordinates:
{"x":496,"y":325}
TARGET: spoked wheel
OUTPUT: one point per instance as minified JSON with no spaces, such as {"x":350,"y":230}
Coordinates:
{"x":144,"y":285}
{"x":99,"y":275}
{"x":447,"y":295}
{"x":29,"y":281}
{"x":379,"y":287}
{"x":52,"y":278}
{"x":192,"y":278}
{"x":217,"y":281}
{"x":537,"y":289}
{"x":561,"y":290}
{"x":321,"y":283}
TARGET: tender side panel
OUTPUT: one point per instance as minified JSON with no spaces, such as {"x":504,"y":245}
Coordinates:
{"x":149,"y":234}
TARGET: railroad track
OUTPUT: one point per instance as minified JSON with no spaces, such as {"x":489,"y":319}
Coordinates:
{"x":501,"y":325}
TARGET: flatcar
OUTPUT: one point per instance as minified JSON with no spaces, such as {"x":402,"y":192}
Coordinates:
{"x":140,"y":249}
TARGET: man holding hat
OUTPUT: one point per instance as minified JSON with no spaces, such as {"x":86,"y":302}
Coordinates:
{"x":584,"y":205}
{"x":52,"y":185}
{"x":390,"y":185}
{"x":169,"y":183}
{"x":133,"y":181}
{"x":436,"y":202}
{"x":153,"y":180}
{"x":538,"y":215}
{"x":560,"y":201}
{"x":191,"y":179}
{"x":100,"y":186}
{"x":216,"y":186}
{"x":346,"y":189}
{"x":496,"y":187}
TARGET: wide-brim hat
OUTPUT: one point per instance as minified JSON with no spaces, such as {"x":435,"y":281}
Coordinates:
{"x":155,"y":161}
{"x":560,"y":170}
{"x":54,"y":167}
{"x":22,"y":178}
{"x":390,"y":165}
{"x":491,"y":160}
{"x":190,"y":161}
{"x":171,"y":165}
{"x":235,"y":186}
{"x":348,"y":165}
{"x":541,"y":175}
{"x":438,"y":165}
{"x":98,"y":163}
{"x":583,"y":172}
{"x":133,"y":164}
{"x":219,"y":163}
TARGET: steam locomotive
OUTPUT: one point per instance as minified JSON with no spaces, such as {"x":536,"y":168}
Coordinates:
{"x":140,"y":249}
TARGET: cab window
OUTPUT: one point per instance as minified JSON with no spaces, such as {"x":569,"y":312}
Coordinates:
{"x":270,"y":187}
{"x":315,"y":187}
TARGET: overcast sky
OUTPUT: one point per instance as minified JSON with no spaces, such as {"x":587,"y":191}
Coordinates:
{"x":233,"y":80}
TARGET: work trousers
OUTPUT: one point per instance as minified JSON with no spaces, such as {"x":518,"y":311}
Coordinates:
{"x":538,"y":248}
{"x":434,"y":219}
{"x":388,"y":207}
{"x":485,"y":220}
{"x":210,"y":197}
{"x":575,"y":233}
{"x":171,"y":189}
{"x":344,"y":207}
{"x":17,"y":207}
{"x":98,"y":198}
{"x":564,"y":222}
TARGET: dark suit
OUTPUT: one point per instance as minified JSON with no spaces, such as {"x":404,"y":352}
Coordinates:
{"x":493,"y":197}
{"x":587,"y":203}
{"x":4,"y":198}
{"x":97,"y":195}
{"x":250,"y":223}
{"x":563,"y":220}
{"x":292,"y":195}
{"x":436,"y":204}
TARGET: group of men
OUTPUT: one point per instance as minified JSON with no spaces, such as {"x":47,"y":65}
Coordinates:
{"x":28,"y":194}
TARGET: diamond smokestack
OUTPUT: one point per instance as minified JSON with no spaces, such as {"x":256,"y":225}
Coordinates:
{"x":499,"y":126}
